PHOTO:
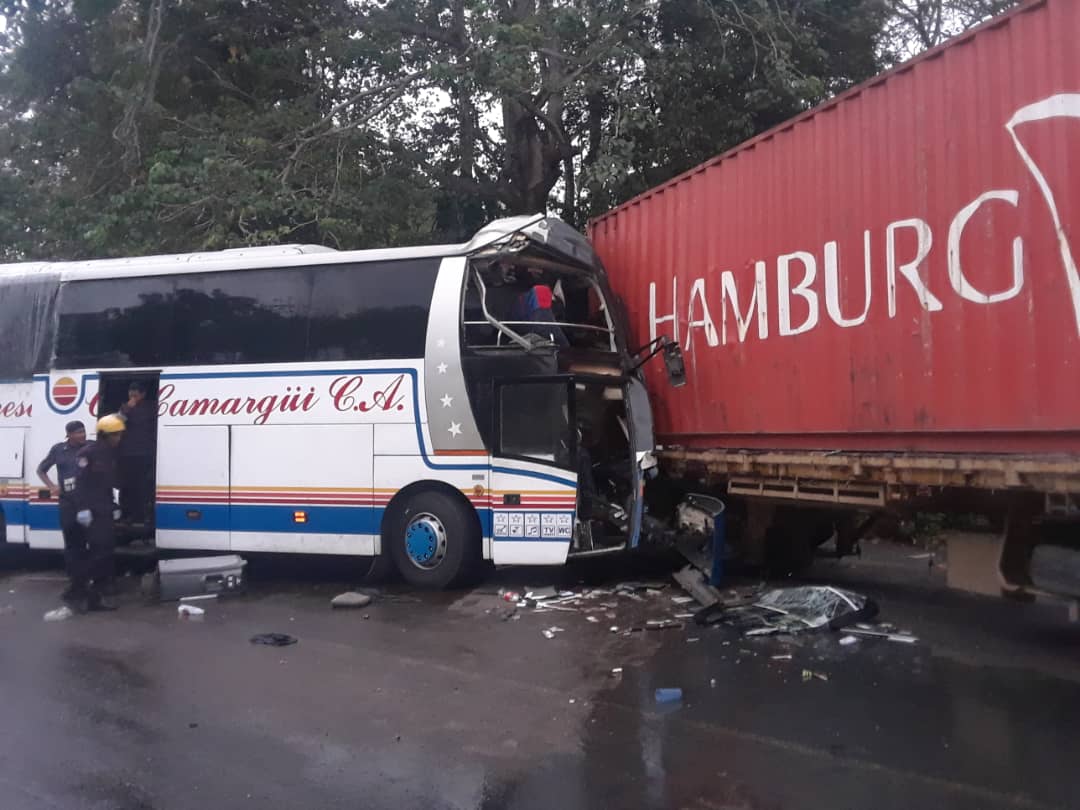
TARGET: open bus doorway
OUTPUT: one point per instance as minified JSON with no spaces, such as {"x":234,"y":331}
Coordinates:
{"x":134,"y":395}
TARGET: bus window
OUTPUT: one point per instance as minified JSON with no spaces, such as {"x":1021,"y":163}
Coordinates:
{"x":115,"y":322}
{"x":374,"y":311}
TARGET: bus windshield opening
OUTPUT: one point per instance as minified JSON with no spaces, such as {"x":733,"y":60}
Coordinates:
{"x":522,"y":304}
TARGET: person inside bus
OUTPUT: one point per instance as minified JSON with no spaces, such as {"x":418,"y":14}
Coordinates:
{"x":535,"y":306}
{"x":136,"y":455}
{"x":94,"y":511}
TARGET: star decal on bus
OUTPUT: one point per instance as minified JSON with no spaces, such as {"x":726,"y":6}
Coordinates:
{"x":447,"y":401}
{"x":454,"y":429}
{"x":442,"y":368}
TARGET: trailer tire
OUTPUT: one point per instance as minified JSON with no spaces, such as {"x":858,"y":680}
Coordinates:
{"x":434,"y":540}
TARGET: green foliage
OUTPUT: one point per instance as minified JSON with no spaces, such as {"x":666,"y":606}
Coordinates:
{"x":138,"y":126}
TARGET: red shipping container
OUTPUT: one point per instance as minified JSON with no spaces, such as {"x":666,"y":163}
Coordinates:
{"x":893,"y":270}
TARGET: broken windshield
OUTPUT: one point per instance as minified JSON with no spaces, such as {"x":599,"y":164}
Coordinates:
{"x":526,"y":303}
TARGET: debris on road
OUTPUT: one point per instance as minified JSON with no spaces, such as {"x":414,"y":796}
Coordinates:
{"x":786,"y":657}
{"x":195,"y":576}
{"x":350,"y":599}
{"x":273,"y":639}
{"x":186,"y":611}
{"x":792,"y":610}
{"x":662,"y":624}
{"x":847,"y":641}
{"x":809,"y":674}
{"x":902,"y":638}
{"x":616,"y":672}
{"x":695,"y":584}
{"x":59,"y":614}
{"x":668,"y":695}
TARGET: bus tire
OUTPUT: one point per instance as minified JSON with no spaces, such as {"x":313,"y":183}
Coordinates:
{"x":434,"y":540}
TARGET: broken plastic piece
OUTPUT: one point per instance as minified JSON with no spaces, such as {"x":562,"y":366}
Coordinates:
{"x":59,"y":614}
{"x":547,"y":634}
{"x":186,"y":611}
{"x":273,"y":639}
{"x":662,"y":624}
{"x":901,"y":638}
{"x":847,"y":641}
{"x":668,"y":695}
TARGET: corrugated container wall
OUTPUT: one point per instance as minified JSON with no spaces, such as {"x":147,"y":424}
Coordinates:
{"x":896,"y":269}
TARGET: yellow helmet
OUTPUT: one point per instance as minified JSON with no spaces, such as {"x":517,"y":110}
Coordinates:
{"x":110,"y":424}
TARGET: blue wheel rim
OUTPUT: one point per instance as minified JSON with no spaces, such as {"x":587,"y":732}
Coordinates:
{"x":425,"y":541}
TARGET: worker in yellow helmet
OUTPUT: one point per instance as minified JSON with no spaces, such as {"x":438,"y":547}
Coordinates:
{"x":95,"y":478}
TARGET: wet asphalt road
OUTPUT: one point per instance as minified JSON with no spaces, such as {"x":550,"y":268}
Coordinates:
{"x":434,"y":701}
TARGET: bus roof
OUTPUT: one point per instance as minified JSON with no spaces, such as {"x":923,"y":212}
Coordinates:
{"x":552,"y":234}
{"x":213,"y":261}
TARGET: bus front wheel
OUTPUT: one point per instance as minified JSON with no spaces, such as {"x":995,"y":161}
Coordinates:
{"x":434,"y":540}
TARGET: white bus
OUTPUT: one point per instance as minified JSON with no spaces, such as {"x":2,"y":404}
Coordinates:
{"x":431,"y":407}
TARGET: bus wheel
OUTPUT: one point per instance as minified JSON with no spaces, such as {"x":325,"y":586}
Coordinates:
{"x":434,"y":541}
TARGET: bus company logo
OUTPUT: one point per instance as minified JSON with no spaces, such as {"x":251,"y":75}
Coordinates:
{"x":349,"y":393}
{"x":64,"y":395}
{"x":64,"y":392}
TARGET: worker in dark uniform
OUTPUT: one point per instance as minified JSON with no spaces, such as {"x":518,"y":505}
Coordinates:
{"x":136,"y":459}
{"x":62,"y":456}
{"x":95,"y":479}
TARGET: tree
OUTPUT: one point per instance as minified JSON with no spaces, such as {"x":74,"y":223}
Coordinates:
{"x":916,"y":25}
{"x":154,"y":125}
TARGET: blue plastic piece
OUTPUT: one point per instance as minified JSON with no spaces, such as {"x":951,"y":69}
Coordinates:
{"x":668,"y":695}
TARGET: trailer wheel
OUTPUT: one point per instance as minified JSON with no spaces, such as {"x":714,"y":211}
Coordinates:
{"x":434,"y":540}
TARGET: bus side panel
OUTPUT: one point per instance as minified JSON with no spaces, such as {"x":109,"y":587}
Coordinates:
{"x":533,"y":509}
{"x":303,"y":489}
{"x":13,"y":491}
{"x":193,"y":487}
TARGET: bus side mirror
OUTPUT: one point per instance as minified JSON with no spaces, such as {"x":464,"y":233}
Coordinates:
{"x":676,"y":368}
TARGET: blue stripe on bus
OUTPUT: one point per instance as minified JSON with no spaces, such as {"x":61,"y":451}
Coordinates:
{"x":268,"y":518}
{"x":248,"y":518}
{"x":14,"y":511}
{"x":279,"y":520}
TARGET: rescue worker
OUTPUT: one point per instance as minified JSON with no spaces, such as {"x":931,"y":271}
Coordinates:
{"x":95,"y":512}
{"x":136,"y":458}
{"x":63,"y":457}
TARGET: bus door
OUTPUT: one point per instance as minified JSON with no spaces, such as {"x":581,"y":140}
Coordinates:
{"x":135,"y":395}
{"x":533,"y":471}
